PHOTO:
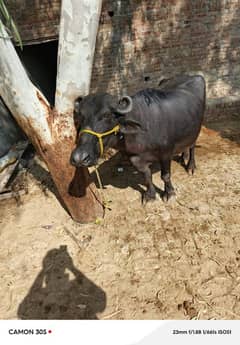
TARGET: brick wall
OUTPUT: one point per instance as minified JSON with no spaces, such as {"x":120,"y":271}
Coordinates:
{"x":37,"y":20}
{"x":142,"y":41}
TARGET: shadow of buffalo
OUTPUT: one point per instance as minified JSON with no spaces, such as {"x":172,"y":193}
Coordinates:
{"x":120,"y":173}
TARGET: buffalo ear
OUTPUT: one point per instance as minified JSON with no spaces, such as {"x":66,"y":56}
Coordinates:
{"x":77,"y":113}
{"x":77,"y":103}
{"x":129,"y":126}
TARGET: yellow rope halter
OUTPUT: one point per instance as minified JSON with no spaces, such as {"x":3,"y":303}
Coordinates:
{"x":101,"y":135}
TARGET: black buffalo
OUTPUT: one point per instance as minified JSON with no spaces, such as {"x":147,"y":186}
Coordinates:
{"x":154,"y":125}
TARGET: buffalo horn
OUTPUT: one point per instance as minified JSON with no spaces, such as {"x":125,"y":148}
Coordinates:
{"x":127,"y":108}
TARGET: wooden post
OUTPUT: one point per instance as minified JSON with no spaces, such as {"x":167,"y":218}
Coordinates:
{"x":51,"y":131}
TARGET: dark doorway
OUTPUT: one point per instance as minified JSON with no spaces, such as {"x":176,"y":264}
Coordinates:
{"x":40,"y":61}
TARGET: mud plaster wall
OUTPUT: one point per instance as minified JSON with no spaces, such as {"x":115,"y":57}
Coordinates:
{"x":142,"y":41}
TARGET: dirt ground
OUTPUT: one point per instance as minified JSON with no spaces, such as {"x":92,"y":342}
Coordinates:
{"x":176,"y":260}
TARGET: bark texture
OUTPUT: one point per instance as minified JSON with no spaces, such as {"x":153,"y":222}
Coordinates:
{"x":52,"y":134}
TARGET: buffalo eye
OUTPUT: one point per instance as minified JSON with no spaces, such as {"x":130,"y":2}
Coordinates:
{"x":108,"y":115}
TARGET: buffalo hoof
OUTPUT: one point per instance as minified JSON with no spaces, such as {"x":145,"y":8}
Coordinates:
{"x":191,"y":168}
{"x":148,"y":196}
{"x":168,"y":195}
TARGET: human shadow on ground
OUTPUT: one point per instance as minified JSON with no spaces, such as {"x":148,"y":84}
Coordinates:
{"x":61,"y":291}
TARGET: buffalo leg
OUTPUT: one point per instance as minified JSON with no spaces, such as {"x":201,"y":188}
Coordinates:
{"x":143,"y":167}
{"x":166,"y":177}
{"x":183,"y":158}
{"x":191,"y":165}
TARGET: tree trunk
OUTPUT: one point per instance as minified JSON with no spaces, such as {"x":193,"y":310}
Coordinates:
{"x":51,"y":132}
{"x":77,"y":38}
